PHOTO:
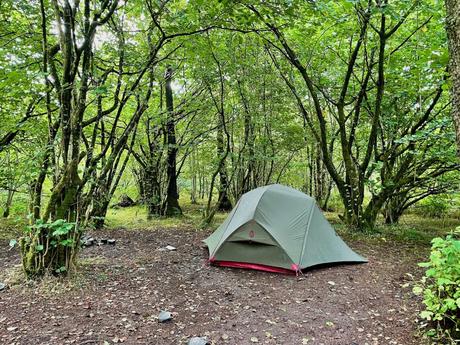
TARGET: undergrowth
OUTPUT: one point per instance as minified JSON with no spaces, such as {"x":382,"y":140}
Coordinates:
{"x":440,"y":288}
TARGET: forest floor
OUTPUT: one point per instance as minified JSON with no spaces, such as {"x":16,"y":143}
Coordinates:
{"x":120,"y":289}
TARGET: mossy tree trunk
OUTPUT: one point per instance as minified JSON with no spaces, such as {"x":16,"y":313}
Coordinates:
{"x":53,"y":240}
{"x":170,"y":205}
{"x":453,"y":34}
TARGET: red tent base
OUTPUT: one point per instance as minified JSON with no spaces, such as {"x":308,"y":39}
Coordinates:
{"x":259,"y":267}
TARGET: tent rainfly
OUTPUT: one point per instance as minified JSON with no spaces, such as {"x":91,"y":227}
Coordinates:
{"x":277,"y":229}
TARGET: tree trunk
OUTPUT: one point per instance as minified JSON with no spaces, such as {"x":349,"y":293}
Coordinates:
{"x":453,"y":34}
{"x":224,"y":203}
{"x":152,"y":191}
{"x":54,"y":239}
{"x":392,"y":214}
{"x":171,"y":205}
{"x":8,"y":203}
{"x":248,"y":179}
{"x":99,"y":211}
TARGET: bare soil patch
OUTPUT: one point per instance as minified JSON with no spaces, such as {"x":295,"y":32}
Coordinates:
{"x":121,"y":289}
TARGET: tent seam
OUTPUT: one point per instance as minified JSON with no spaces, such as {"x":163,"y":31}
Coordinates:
{"x":220,"y":239}
{"x":305,"y":237}
{"x":267,"y":187}
{"x":236,"y":208}
{"x":276,"y":241}
{"x":258,"y":201}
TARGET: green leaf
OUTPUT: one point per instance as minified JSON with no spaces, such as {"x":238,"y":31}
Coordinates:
{"x":101,"y":90}
{"x":61,"y":269}
{"x":426,"y":315}
{"x":417,"y":290}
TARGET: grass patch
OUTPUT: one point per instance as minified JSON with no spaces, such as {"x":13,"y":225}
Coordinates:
{"x":412,"y":228}
{"x":93,"y":261}
{"x":135,"y":217}
{"x":11,"y":227}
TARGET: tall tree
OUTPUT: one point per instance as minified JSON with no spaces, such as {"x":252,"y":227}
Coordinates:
{"x":171,"y":204}
{"x":357,"y":102}
{"x":453,"y":35}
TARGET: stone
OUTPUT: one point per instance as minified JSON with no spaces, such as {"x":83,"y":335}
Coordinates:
{"x":168,"y":247}
{"x":2,"y":286}
{"x":125,"y":201}
{"x":198,"y":341}
{"x":89,"y":242}
{"x":164,"y":316}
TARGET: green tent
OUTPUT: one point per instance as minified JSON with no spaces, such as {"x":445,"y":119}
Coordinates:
{"x":278,"y":229}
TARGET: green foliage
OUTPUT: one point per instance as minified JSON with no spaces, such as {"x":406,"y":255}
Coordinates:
{"x":436,"y":206}
{"x":441,"y":287}
{"x":230,"y":70}
{"x":49,"y":247}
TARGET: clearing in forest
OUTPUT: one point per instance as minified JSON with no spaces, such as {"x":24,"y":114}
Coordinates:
{"x":119,"y":291}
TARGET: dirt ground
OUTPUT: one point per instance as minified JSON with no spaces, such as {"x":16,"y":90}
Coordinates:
{"x":121,"y":289}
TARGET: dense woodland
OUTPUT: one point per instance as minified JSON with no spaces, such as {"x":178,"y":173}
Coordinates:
{"x":353,"y":102}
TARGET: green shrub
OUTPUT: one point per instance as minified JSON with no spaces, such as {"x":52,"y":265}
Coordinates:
{"x":436,"y":206}
{"x":49,"y":247}
{"x":441,"y":287}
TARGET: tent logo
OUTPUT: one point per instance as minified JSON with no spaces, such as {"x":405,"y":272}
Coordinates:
{"x":251,"y":234}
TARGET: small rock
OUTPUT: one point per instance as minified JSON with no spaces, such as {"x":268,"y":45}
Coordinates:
{"x":164,"y":316}
{"x":87,"y":241}
{"x":125,"y":201}
{"x":168,"y":247}
{"x":224,"y":336}
{"x":198,"y":341}
{"x":111,"y":241}
{"x":254,"y":340}
{"x":2,"y":287}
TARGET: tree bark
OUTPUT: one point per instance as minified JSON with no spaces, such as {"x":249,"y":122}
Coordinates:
{"x":171,"y":205}
{"x":453,"y":34}
{"x":8,"y":203}
{"x":224,"y":203}
{"x":394,"y":208}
